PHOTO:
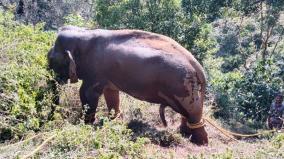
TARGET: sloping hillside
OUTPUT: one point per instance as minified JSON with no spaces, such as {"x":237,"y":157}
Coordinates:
{"x":138,"y":133}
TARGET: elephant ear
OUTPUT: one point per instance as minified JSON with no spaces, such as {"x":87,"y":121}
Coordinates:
{"x":72,"y":68}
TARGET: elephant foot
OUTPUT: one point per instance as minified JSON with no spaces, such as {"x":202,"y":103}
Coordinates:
{"x":90,"y":118}
{"x":115,"y":115}
{"x":199,"y":136}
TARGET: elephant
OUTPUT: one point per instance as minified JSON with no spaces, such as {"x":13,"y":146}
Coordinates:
{"x":148,"y":66}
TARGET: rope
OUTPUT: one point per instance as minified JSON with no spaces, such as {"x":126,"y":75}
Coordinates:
{"x":220,"y":129}
{"x":196,"y":125}
{"x":228,"y":133}
{"x":39,"y":147}
{"x":17,"y":143}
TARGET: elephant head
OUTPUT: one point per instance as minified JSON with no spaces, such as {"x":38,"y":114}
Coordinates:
{"x":61,"y":57}
{"x":61,"y":60}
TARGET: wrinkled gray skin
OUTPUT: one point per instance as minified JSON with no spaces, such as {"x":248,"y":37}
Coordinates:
{"x":147,"y":66}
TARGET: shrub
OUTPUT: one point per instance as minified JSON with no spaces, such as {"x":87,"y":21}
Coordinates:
{"x":25,"y":96}
{"x":112,"y":139}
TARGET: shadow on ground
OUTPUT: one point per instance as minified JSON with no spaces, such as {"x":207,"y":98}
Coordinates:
{"x":160,"y":137}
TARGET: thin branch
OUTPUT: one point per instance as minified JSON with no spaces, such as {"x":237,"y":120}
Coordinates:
{"x":265,"y":43}
{"x":279,"y":39}
{"x":261,"y":19}
{"x":239,"y":27}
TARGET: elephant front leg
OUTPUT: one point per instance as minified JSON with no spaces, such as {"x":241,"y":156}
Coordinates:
{"x":112,"y":101}
{"x":91,"y":107}
{"x":55,"y":99}
{"x":89,"y":95}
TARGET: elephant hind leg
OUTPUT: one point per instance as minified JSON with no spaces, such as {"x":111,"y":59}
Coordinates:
{"x":162,"y":114}
{"x":193,"y":124}
{"x":112,"y":100}
{"x":184,"y":129}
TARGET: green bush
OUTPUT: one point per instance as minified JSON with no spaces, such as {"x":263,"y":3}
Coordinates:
{"x":257,"y":90}
{"x":77,"y":20}
{"x":245,"y":73}
{"x":25,"y":96}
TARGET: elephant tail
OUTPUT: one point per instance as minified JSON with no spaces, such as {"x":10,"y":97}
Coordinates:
{"x":162,"y":114}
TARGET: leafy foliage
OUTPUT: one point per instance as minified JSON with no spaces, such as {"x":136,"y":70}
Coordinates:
{"x":165,"y":17}
{"x":110,"y":140}
{"x":25,"y":97}
{"x":250,"y":47}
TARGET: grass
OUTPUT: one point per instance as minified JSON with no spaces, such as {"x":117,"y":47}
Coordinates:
{"x":138,"y":134}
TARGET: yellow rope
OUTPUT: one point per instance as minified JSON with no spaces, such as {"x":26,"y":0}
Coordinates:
{"x":17,"y":143}
{"x":196,"y":125}
{"x":39,"y":147}
{"x":220,"y":129}
{"x":227,"y":133}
